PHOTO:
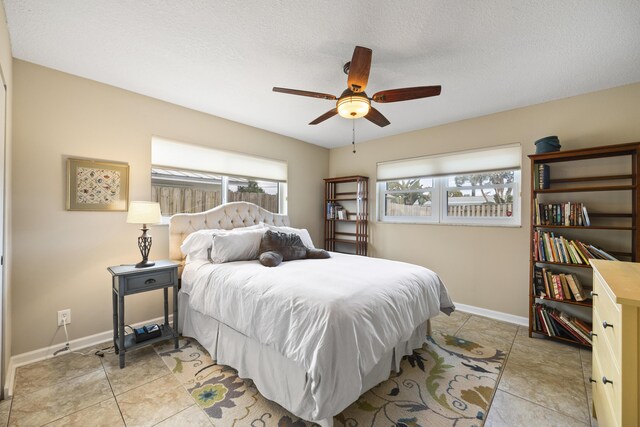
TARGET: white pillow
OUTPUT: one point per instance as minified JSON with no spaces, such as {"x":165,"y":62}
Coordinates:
{"x":198,"y":243}
{"x":237,"y":246}
{"x":302,"y":232}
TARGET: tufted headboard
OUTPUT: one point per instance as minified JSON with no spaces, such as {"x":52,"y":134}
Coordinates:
{"x":227,"y":216}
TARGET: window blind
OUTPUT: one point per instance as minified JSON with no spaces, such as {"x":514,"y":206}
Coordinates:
{"x":165,"y":152}
{"x":505,"y":157}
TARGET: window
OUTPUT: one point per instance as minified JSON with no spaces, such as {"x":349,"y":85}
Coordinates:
{"x":482,"y":198}
{"x":407,"y":199}
{"x":455,"y":193}
{"x":183,"y":189}
{"x":261,"y":193}
{"x":180,"y":191}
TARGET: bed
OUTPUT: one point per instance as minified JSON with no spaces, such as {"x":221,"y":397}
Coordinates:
{"x":312,"y":334}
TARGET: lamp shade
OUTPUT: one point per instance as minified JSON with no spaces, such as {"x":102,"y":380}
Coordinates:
{"x":144,"y":213}
{"x":353,"y":107}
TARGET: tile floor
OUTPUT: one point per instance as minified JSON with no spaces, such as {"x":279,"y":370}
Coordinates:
{"x":543,"y":383}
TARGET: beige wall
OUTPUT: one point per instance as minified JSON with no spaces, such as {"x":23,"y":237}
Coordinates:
{"x":60,"y":257}
{"x":488,"y":266}
{"x":6,"y":68}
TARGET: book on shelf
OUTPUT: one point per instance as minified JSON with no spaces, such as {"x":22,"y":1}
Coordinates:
{"x":566,"y":293}
{"x":549,"y":248}
{"x":601,"y":254}
{"x":571,"y":322}
{"x":538,"y":281}
{"x":576,"y":287}
{"x":585,"y":216}
{"x":336,"y":211}
{"x":570,"y":214}
{"x":556,"y":323}
{"x":583,"y":326}
{"x":558,"y":286}
{"x":580,"y":252}
{"x":575,"y":256}
{"x":542,"y":178}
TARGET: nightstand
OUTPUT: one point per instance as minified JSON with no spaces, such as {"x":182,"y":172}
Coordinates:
{"x":129,"y":280}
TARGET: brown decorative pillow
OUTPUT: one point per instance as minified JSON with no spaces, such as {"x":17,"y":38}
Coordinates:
{"x":289,"y":246}
{"x":317,"y":254}
{"x":276,"y":247}
{"x":270,"y":259}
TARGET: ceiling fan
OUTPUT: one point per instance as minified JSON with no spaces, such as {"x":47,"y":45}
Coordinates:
{"x":354,"y":103}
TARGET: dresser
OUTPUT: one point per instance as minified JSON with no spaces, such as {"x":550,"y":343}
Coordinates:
{"x":616,"y":345}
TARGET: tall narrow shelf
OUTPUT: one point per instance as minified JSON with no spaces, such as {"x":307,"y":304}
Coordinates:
{"x":349,"y":232}
{"x":605,"y":180}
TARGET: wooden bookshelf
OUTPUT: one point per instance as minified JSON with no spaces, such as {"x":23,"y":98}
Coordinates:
{"x":622,"y":186}
{"x":348,"y":235}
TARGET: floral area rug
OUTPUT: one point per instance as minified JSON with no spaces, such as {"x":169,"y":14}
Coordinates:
{"x":447,"y":382}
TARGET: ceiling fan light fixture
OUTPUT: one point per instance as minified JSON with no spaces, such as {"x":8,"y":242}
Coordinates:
{"x":353,"y":107}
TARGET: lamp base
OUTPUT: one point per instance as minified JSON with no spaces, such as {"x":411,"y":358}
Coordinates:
{"x":145,"y":263}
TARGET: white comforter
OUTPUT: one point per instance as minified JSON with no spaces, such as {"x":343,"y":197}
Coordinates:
{"x":335,"y":317}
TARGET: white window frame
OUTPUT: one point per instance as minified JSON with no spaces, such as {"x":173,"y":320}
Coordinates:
{"x":224,"y":188}
{"x":170,"y":154}
{"x":439,"y":204}
{"x":441,"y":167}
{"x":514,"y":220}
{"x":435,"y":204}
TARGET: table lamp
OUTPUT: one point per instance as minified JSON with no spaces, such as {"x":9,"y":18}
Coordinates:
{"x":144,"y":213}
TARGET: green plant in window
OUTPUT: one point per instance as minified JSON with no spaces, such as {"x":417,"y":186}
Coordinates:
{"x":410,"y":197}
{"x":501,"y":195}
{"x":251,"y":187}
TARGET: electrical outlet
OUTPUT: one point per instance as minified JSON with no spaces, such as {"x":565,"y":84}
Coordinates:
{"x":64,"y":316}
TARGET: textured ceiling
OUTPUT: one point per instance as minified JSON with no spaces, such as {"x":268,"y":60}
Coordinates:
{"x":223,"y":57}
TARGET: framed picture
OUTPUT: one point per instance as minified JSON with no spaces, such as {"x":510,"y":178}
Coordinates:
{"x":94,"y":185}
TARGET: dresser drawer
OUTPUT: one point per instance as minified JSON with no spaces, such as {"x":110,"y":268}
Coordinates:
{"x":606,"y":310}
{"x":148,"y":281}
{"x":606,"y":402}
{"x":607,"y":357}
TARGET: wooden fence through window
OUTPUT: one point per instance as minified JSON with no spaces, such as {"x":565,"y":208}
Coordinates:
{"x":175,"y":200}
{"x":471,"y":210}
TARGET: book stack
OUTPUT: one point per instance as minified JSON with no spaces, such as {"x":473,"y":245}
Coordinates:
{"x":549,"y":248}
{"x":336,"y":211}
{"x":542,"y":177}
{"x":558,"y":286}
{"x":568,"y":214}
{"x":556,"y":323}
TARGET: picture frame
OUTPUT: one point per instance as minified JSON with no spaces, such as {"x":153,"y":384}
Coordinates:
{"x":94,"y":185}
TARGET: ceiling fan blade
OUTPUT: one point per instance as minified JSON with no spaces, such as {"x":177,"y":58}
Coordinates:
{"x":375,"y":116}
{"x":304,"y":93}
{"x":407,"y":93}
{"x":325,"y":116}
{"x":359,"y":69}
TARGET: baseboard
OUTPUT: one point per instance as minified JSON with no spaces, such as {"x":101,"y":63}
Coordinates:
{"x":75,"y":345}
{"x":492,"y":314}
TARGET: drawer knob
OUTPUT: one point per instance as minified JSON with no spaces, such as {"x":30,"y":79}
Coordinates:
{"x":606,"y":325}
{"x":605,"y":380}
{"x":591,"y":380}
{"x":149,"y":281}
{"x":593,"y":294}
{"x":591,"y":334}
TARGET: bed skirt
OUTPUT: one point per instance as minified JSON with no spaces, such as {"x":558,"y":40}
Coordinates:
{"x":276,"y":377}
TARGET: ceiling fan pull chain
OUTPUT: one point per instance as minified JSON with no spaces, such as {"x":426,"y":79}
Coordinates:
{"x":353,"y":141}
